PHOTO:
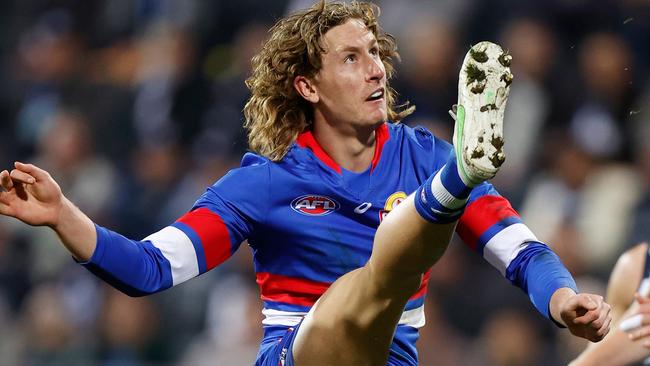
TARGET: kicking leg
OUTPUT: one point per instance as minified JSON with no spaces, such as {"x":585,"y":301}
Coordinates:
{"x":354,"y":321}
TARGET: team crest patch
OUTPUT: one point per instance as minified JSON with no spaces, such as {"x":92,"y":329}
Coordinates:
{"x":314,"y":205}
{"x":392,"y":202}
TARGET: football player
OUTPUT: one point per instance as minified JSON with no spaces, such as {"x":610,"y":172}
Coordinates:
{"x":342,"y":279}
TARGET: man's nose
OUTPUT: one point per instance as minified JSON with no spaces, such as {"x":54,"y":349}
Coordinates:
{"x":376,"y":69}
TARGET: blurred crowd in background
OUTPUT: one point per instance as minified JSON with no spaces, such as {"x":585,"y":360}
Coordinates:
{"x":135,"y":107}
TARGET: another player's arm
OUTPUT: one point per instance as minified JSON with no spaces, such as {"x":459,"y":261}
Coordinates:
{"x":617,"y":348}
{"x":625,"y":279}
{"x":491,"y":226}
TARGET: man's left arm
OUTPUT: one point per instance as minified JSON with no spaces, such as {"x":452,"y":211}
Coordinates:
{"x":492,"y":228}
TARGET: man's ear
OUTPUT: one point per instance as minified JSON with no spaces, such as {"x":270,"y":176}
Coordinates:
{"x":305,"y":88}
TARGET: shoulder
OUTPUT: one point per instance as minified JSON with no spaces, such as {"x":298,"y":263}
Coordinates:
{"x":631,"y":263}
{"x":633,"y":257}
{"x":253,"y":172}
{"x":252,"y":166}
{"x":241,"y":189}
{"x":626,"y":276}
{"x":251,"y":160}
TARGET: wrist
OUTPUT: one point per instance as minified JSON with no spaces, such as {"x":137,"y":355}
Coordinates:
{"x":61,"y":212}
{"x":558,"y":300}
{"x":76,"y":230}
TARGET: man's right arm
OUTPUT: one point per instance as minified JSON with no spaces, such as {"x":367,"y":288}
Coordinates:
{"x":31,"y":195}
{"x":198,"y":241}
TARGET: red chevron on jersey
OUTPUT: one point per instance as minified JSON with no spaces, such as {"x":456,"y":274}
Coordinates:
{"x":290,"y":290}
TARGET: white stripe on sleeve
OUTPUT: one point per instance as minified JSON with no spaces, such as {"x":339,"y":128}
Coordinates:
{"x":506,"y":244}
{"x":179,"y":251}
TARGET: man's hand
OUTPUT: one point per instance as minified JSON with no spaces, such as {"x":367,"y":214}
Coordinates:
{"x":639,"y":321}
{"x":31,"y":195}
{"x":587,"y":316}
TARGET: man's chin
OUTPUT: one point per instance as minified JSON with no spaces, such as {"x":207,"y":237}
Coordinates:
{"x":379,"y":122}
{"x":375,"y":117}
{"x":382,"y":117}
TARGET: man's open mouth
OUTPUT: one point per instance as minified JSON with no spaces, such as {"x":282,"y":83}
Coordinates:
{"x":378,"y":94}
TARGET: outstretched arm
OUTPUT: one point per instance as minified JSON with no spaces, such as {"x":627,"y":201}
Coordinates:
{"x":617,"y":348}
{"x":32,"y":196}
{"x":491,"y":227}
{"x":197,"y":242}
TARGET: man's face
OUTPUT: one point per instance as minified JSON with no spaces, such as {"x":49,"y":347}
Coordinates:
{"x":351,"y":85}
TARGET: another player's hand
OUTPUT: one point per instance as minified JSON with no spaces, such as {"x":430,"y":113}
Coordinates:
{"x":29,"y":194}
{"x":587,"y":316}
{"x":639,"y":321}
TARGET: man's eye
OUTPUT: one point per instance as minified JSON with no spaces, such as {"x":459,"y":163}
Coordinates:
{"x":374,"y":51}
{"x":350,"y":58}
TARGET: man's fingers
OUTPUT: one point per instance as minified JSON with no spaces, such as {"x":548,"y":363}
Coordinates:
{"x":584,"y":302}
{"x":604,"y":329}
{"x":596,"y":330}
{"x":643,"y":308}
{"x":4,"y":208}
{"x":5,"y":181}
{"x":640,"y":317}
{"x":5,"y":203}
{"x":32,"y":170}
{"x":645,"y":319}
{"x":586,"y":319}
{"x":641,"y":299}
{"x":603,"y":316}
{"x":22,"y":177}
{"x":646,"y":344}
{"x":631,"y":323}
{"x":590,"y":302}
{"x":639,"y":333}
{"x":593,"y":308}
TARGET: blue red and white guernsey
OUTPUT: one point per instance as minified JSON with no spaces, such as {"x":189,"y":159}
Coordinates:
{"x":309,"y":221}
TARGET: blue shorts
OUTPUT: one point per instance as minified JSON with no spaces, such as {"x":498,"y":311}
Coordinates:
{"x":275,"y":349}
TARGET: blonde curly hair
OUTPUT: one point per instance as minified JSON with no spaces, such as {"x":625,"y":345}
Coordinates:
{"x":275,"y":113}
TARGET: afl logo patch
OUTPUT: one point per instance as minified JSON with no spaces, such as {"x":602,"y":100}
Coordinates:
{"x":314,"y":205}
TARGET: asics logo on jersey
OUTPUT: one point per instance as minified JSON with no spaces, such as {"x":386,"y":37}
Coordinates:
{"x":362,"y":208}
{"x":314,"y":205}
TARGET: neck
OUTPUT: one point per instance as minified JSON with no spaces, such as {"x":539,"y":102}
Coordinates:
{"x":352,"y":148}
